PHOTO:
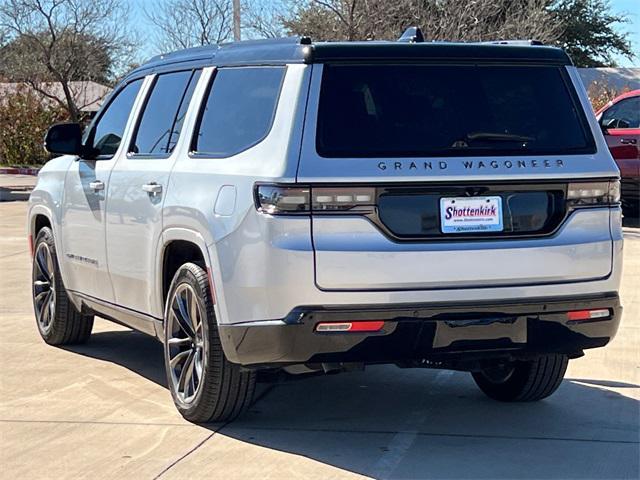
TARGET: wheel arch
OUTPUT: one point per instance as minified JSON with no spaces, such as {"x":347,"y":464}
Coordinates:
{"x":178,"y":246}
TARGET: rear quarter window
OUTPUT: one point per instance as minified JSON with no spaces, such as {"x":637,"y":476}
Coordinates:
{"x":448,"y":110}
{"x":238,"y":110}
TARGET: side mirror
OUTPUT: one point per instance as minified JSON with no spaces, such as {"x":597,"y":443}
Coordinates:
{"x":64,"y":138}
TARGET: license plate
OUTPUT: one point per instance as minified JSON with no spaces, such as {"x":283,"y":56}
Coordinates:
{"x":471,"y":214}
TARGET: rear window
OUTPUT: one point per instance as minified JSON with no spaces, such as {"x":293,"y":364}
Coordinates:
{"x":452,"y":110}
{"x":238,"y":111}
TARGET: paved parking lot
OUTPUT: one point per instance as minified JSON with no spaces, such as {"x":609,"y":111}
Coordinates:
{"x":103,"y":410}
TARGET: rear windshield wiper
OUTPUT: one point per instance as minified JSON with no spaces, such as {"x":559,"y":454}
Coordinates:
{"x":498,"y":137}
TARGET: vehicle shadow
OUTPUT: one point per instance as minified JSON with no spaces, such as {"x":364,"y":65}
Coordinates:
{"x":629,"y":221}
{"x":388,"y":422}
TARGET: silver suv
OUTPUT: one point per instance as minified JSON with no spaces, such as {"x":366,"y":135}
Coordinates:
{"x":308,"y":207}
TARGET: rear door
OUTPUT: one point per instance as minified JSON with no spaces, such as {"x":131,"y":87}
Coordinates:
{"x":138,"y":188}
{"x":462,"y":171}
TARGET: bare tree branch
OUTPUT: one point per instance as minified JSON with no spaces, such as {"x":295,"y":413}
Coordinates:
{"x":63,"y":41}
{"x":190,"y":23}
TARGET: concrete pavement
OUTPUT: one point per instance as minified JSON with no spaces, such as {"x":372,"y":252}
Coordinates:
{"x":102,"y":410}
{"x":16,"y":186}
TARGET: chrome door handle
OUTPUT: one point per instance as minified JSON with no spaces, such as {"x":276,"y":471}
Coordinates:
{"x":96,"y":186}
{"x":628,"y":141}
{"x":153,"y":188}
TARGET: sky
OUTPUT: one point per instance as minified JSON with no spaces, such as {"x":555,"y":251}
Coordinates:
{"x":630,"y":7}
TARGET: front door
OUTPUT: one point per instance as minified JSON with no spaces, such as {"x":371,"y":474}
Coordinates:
{"x":85,"y":189}
{"x":138,"y":186}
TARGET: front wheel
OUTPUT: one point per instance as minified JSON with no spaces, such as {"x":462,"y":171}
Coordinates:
{"x":523,"y":381}
{"x":59,"y":323}
{"x":204,"y":385}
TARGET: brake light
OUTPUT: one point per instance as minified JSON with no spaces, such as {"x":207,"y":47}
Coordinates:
{"x":361,"y":326}
{"x":593,"y":193}
{"x":285,"y":200}
{"x":581,"y":315}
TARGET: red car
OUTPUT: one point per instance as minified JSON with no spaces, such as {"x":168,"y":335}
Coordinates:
{"x":620,"y":122}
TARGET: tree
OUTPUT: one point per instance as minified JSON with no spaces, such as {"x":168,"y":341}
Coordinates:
{"x":585,"y":28}
{"x":265,"y":19}
{"x":439,"y":19}
{"x":63,"y":41}
{"x":24,"y":119}
{"x":588,"y":34}
{"x":191,"y":23}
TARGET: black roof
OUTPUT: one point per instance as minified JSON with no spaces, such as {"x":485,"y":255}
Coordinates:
{"x":302,"y":50}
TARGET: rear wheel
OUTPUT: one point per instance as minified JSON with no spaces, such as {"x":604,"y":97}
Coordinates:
{"x":204,"y":385}
{"x":523,"y":381}
{"x":59,"y":323}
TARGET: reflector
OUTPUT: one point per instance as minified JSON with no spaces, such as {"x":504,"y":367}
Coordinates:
{"x":360,"y":326}
{"x":578,"y":315}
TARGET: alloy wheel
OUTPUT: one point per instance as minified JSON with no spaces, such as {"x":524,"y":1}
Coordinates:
{"x":186,"y":346}
{"x":44,"y":287}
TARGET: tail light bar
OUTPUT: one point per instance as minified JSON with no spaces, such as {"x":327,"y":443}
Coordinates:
{"x":305,"y":199}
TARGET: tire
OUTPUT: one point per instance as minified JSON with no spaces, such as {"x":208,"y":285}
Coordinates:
{"x":204,"y":385}
{"x":58,"y":321}
{"x":523,"y":381}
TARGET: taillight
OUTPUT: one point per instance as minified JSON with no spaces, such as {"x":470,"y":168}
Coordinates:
{"x":593,"y":193}
{"x":284,"y":200}
{"x":277,"y":200}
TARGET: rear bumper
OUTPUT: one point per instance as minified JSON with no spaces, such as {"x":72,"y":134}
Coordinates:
{"x":439,"y":332}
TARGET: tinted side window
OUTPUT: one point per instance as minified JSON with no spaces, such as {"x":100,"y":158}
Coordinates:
{"x":159,"y":114}
{"x":624,"y":114}
{"x":107,"y":133}
{"x":239,"y":110}
{"x":177,"y":127}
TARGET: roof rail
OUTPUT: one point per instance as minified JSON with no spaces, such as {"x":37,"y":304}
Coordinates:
{"x":208,"y":50}
{"x":412,"y":35}
{"x":512,"y":42}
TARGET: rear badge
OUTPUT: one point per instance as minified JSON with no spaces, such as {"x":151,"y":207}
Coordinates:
{"x":469,"y":215}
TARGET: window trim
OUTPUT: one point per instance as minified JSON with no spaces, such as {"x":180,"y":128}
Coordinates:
{"x":103,"y":110}
{"x":161,"y":155}
{"x":589,"y":148}
{"x":193,"y":153}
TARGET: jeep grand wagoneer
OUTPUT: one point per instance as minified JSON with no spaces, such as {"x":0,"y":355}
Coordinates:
{"x":323,"y":206}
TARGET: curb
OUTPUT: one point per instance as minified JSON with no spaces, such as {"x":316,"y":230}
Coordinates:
{"x":19,"y":171}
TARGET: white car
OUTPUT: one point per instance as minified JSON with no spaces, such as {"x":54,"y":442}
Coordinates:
{"x":323,"y":206}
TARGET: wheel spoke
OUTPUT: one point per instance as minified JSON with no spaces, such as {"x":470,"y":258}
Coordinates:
{"x":186,"y":373}
{"x":173,"y":362}
{"x":179,"y":342}
{"x":42,"y":264}
{"x":49,"y":264}
{"x":40,"y":296}
{"x":44,"y":307}
{"x":198,"y":364}
{"x":184,"y":326}
{"x":183,"y":316}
